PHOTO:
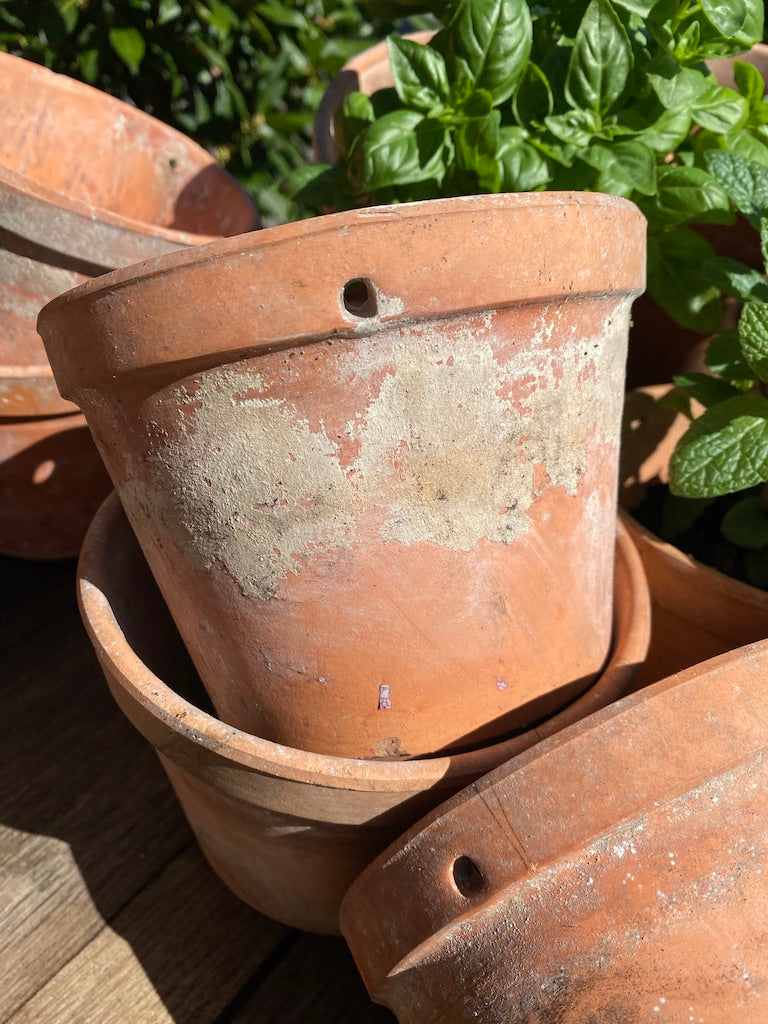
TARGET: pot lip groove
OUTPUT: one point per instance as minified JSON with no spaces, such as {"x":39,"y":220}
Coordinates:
{"x":245,"y":752}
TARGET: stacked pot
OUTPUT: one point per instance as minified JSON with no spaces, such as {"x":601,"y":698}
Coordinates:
{"x":87,"y":184}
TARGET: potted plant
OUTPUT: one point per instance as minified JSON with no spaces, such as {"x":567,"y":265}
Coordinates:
{"x":87,"y":184}
{"x":615,"y":97}
{"x":342,"y":465}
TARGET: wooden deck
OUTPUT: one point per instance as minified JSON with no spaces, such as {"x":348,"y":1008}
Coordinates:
{"x":108,"y":911}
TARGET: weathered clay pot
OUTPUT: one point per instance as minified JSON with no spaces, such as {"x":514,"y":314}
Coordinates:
{"x":52,"y":481}
{"x":697,"y":611}
{"x":287,"y":830}
{"x":659,"y":347}
{"x":613,"y":873}
{"x":87,"y":184}
{"x":379,"y":464}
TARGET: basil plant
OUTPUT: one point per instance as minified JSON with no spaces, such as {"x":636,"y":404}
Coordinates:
{"x":510,"y":96}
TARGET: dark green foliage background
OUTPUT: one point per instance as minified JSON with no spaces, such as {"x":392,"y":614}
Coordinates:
{"x":242,"y":79}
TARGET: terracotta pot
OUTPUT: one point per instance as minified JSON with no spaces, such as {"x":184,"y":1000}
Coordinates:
{"x":379,"y":466}
{"x":52,"y":481}
{"x":615,"y":872}
{"x":287,"y":830}
{"x":697,"y":611}
{"x":87,"y":184}
{"x":659,"y":348}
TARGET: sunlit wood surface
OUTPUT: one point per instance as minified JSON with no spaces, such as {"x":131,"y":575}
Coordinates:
{"x":108,"y":912}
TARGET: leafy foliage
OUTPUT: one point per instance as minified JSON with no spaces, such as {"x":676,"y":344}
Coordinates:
{"x":725,"y":450}
{"x":242,"y":79}
{"x":605,"y":95}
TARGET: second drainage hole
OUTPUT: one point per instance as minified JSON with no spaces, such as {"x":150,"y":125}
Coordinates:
{"x":359,"y":297}
{"x":467,"y":877}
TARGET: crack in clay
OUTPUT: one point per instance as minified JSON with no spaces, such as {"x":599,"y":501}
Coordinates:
{"x":444,"y":457}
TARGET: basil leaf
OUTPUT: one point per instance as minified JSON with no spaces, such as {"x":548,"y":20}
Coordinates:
{"x":576,"y":127}
{"x":476,"y":144}
{"x":749,"y":82}
{"x":354,"y":115}
{"x":688,"y":192}
{"x":419,"y":74}
{"x":740,"y":21}
{"x":400,"y":148}
{"x":523,"y":168}
{"x":129,"y":45}
{"x":724,"y":450}
{"x":628,"y":163}
{"x":720,"y":109}
{"x":533,"y":100}
{"x":667,"y":131}
{"x":676,"y":88}
{"x":601,"y":60}
{"x":753,"y":335}
{"x":675,"y":280}
{"x":491,"y":39}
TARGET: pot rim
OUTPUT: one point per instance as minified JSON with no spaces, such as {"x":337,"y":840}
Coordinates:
{"x":289,"y":284}
{"x":248,"y":752}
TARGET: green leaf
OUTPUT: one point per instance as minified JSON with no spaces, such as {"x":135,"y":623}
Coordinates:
{"x":676,"y":88}
{"x":576,"y":127}
{"x":756,"y":567}
{"x":419,"y":74}
{"x":745,"y":524}
{"x":676,"y":282}
{"x":667,"y":132}
{"x":353,"y":117}
{"x":753,"y":335}
{"x":628,"y":163}
{"x":523,"y":168}
{"x":720,"y":109}
{"x":128,"y":44}
{"x":680,"y":514}
{"x":705,"y":388}
{"x":489,"y":39}
{"x":601,"y":60}
{"x":736,"y":278}
{"x":745,"y":181}
{"x":476,"y":144}
{"x":725,"y":357}
{"x":688,"y":192}
{"x":724,"y":450}
{"x":740,"y":21}
{"x":400,"y":148}
{"x":749,"y":82}
{"x":533,"y":100}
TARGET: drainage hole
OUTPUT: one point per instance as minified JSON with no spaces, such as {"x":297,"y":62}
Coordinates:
{"x":359,"y":297}
{"x":467,"y":877}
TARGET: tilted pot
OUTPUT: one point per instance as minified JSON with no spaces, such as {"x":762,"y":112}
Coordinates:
{"x":698,"y":612}
{"x":288,"y":830}
{"x":372,"y":459}
{"x":87,"y":184}
{"x":615,"y":872}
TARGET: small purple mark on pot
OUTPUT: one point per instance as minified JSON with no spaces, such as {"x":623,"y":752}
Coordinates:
{"x":384,"y":702}
{"x":500,"y":684}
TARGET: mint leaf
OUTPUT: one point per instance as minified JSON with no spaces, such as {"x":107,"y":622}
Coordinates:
{"x":725,"y":357}
{"x":724,"y":450}
{"x":419,"y":74}
{"x":745,"y":181}
{"x":753,"y":335}
{"x":688,"y":192}
{"x":736,"y":279}
{"x":675,"y":280}
{"x":601,"y":60}
{"x":705,"y":388}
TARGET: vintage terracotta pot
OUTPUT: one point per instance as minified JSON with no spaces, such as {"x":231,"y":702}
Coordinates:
{"x":287,"y":830}
{"x":87,"y":184}
{"x":698,"y":612}
{"x":52,"y":481}
{"x":659,"y":347}
{"x":379,"y":464}
{"x":615,"y":872}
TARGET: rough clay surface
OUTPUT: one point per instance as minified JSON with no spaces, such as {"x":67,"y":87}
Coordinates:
{"x":449,"y":450}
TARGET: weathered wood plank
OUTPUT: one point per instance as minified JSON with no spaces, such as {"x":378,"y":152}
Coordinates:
{"x":316,"y":983}
{"x":178,"y":952}
{"x":87,"y":816}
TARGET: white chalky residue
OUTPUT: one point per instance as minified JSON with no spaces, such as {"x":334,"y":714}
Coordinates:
{"x":277,"y":490}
